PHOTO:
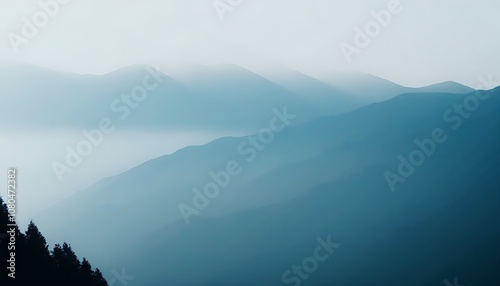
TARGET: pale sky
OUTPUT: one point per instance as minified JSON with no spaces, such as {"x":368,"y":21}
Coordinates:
{"x":427,"y":42}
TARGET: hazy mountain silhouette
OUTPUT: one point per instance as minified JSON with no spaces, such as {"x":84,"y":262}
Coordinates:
{"x":314,"y":179}
{"x":447,"y":86}
{"x":209,"y":100}
{"x":440,"y":223}
{"x":369,"y":88}
{"x":332,"y":100}
{"x":202,"y":98}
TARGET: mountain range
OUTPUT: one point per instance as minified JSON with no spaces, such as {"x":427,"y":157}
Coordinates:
{"x":323,"y":176}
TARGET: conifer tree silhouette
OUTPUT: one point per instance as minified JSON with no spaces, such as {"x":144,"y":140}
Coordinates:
{"x":36,"y":265}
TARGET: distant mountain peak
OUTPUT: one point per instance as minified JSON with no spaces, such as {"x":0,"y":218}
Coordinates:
{"x":447,"y":86}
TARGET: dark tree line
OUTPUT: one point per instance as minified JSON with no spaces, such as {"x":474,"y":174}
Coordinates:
{"x":36,"y":265}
